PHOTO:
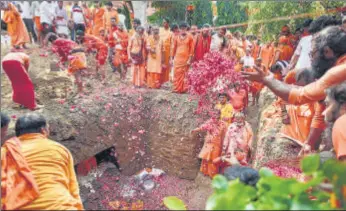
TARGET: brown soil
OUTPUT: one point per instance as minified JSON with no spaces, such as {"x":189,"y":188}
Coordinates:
{"x":87,"y":126}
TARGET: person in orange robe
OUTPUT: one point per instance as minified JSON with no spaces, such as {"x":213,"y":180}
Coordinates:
{"x":111,"y":43}
{"x":78,"y":63}
{"x":16,"y":67}
{"x":36,"y":172}
{"x":212,"y":148}
{"x":255,"y":87}
{"x":121,"y":59}
{"x":305,"y":123}
{"x":61,"y":47}
{"x":182,"y":57}
{"x":155,"y":59}
{"x":98,"y":18}
{"x":238,"y":98}
{"x":335,"y":113}
{"x":110,"y":13}
{"x":284,"y":52}
{"x":18,"y":185}
{"x":202,"y":43}
{"x":267,"y":54}
{"x":15,"y":27}
{"x":256,"y":49}
{"x":88,"y":17}
{"x":167,"y":36}
{"x":236,"y":147}
{"x":93,"y":43}
{"x":137,"y":54}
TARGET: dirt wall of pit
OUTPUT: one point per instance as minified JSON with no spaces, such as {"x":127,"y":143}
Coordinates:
{"x":149,"y":128}
{"x":269,"y":144}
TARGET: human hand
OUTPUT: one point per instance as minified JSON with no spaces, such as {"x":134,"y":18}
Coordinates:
{"x":306,"y":149}
{"x":258,"y":75}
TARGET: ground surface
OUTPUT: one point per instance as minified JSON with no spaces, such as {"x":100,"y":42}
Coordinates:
{"x":105,"y":187}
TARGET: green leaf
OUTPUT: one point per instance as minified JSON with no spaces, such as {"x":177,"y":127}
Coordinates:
{"x":311,"y":164}
{"x":174,"y":203}
{"x":265,"y":172}
{"x":220,"y":183}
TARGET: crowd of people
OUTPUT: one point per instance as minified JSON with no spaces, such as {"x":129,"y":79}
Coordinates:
{"x":305,"y":69}
{"x":313,"y":59}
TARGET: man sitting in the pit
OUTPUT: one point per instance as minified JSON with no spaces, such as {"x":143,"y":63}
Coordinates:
{"x":335,"y":114}
{"x":237,"y":143}
{"x":16,"y":67}
{"x":37,"y":173}
{"x":305,"y":123}
{"x":5,"y":121}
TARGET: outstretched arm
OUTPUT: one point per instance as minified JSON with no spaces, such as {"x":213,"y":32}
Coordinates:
{"x":279,"y":88}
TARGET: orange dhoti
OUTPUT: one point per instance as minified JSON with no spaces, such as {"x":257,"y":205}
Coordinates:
{"x":138,"y":72}
{"x":256,"y":87}
{"x":207,"y":165}
{"x":179,"y":81}
{"x":154,"y":80}
{"x":15,"y":26}
{"x":166,"y":71}
{"x":38,"y":25}
{"x":102,"y":55}
{"x":120,"y":57}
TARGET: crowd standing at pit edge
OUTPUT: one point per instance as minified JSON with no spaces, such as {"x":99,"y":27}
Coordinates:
{"x":305,"y":69}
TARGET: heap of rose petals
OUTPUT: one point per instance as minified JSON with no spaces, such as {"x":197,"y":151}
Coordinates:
{"x":212,"y":75}
{"x":284,"y":171}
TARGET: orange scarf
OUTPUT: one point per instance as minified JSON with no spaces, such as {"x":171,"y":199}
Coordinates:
{"x":18,"y":186}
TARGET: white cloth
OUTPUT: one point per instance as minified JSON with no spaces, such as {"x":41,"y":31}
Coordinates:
{"x":61,"y":23}
{"x":122,"y":19}
{"x":249,"y":61}
{"x":26,"y":10}
{"x":303,"y":51}
{"x":47,"y":12}
{"x":77,"y":15}
{"x":117,"y":46}
{"x":35,"y":8}
{"x":216,"y":42}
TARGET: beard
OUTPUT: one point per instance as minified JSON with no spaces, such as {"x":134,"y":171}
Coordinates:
{"x":327,"y":135}
{"x":321,"y":65}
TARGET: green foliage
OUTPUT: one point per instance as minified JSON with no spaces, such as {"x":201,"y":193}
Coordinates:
{"x":126,"y":12}
{"x":174,"y":10}
{"x":203,"y":12}
{"x":173,"y":203}
{"x":277,"y":193}
{"x":268,"y":10}
{"x":230,"y":12}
